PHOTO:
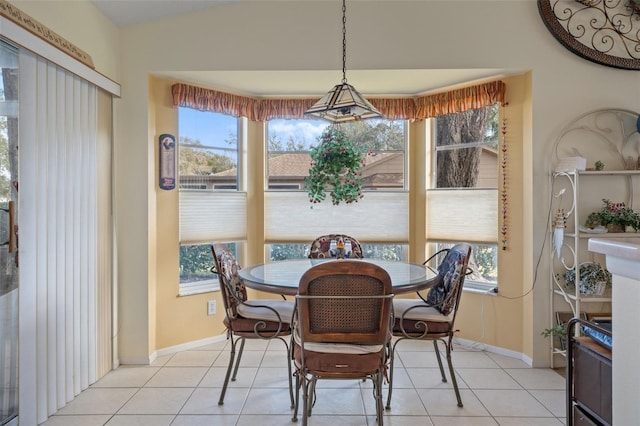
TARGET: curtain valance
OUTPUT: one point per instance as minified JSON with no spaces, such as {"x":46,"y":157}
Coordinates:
{"x":258,"y":109}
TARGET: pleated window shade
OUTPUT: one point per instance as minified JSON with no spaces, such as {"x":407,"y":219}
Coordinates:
{"x":212,"y":215}
{"x":379,"y":216}
{"x":462,"y":215}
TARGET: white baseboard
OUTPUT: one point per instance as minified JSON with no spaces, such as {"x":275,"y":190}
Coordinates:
{"x":186,"y":346}
{"x":494,"y":349}
{"x":172,"y":350}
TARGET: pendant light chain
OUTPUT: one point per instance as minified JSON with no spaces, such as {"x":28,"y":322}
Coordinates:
{"x":343,"y":103}
{"x":344,"y":41}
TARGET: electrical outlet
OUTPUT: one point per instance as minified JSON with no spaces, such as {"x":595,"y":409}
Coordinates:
{"x":211,"y":307}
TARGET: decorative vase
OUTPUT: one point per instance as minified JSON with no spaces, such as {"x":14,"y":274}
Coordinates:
{"x":615,"y":228}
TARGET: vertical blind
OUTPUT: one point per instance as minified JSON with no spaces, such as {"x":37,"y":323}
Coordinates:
{"x":61,"y":242}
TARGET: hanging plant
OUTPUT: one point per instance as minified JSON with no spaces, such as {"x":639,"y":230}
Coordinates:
{"x":336,"y":166}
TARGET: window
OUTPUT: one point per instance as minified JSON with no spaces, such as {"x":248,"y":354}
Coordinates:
{"x":371,"y":251}
{"x":465,"y":189}
{"x":208,"y":150}
{"x":289,"y":142}
{"x":212,"y":208}
{"x":385,"y":205}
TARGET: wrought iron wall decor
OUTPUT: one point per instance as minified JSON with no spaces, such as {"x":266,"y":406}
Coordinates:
{"x":606,"y":32}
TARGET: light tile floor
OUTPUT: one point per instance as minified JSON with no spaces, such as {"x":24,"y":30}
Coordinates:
{"x":183,"y":390}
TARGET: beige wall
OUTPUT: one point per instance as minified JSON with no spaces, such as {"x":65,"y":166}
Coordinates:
{"x":83,"y":25}
{"x":276,"y":35}
{"x":178,"y":319}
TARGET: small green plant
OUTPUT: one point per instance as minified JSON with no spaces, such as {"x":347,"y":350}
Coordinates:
{"x":599,"y":165}
{"x":592,"y":277}
{"x":336,"y":166}
{"x":559,"y":330}
{"x":614,"y":214}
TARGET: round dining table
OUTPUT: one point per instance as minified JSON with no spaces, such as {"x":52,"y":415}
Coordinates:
{"x":283,"y":277}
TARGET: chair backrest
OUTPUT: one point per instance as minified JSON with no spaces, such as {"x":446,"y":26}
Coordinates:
{"x":320,"y":246}
{"x":231,"y":286}
{"x":345,"y":301}
{"x":445,"y":296}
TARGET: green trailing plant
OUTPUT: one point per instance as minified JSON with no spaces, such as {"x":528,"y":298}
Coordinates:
{"x":591,"y":277}
{"x":336,"y":166}
{"x":559,"y":330}
{"x":614,"y":214}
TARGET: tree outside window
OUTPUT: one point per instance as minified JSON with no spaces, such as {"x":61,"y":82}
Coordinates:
{"x":467,"y":157}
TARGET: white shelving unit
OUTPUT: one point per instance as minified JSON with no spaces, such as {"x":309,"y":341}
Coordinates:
{"x":610,"y":136}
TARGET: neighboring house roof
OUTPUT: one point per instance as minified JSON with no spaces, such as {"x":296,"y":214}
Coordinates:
{"x":298,"y":164}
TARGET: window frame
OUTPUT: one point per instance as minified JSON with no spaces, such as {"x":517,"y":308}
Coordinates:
{"x":434,"y":245}
{"x":216,"y":192}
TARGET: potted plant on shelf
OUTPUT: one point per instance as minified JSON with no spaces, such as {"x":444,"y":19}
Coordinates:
{"x":559,"y":331}
{"x":336,"y":166}
{"x":594,"y":278}
{"x":616,"y":217}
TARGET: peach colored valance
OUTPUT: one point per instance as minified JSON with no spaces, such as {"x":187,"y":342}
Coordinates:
{"x":258,"y":109}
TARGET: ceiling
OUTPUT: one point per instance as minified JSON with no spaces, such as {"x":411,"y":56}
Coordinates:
{"x":372,"y":83}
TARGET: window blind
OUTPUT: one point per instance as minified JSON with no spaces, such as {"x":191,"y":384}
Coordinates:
{"x":207,"y":216}
{"x":462,"y":215}
{"x":379,"y":216}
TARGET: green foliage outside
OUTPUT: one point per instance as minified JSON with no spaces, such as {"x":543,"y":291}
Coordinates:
{"x":5,"y":171}
{"x":196,"y":159}
{"x":196,"y":262}
{"x":301,"y":251}
{"x":484,"y":263}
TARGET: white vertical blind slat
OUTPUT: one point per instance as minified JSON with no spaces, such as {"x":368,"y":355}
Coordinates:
{"x":68,"y":251}
{"x":50,"y":200}
{"x":60,"y":214}
{"x":92,"y":231}
{"x":41,"y":248}
{"x":28,"y":259}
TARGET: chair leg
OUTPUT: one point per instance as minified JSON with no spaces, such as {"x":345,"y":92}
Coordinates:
{"x":305,"y":400}
{"x":454,"y":382}
{"x":289,"y":372}
{"x":377,"y":389}
{"x":439,"y":358}
{"x":392,"y":353}
{"x":235,"y":370}
{"x":312,"y":394}
{"x":297,"y":400}
{"x":232,"y":355}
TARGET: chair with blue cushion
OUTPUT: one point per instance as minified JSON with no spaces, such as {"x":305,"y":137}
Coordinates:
{"x":432,"y":318}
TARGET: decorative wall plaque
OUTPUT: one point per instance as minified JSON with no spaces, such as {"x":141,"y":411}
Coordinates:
{"x":603,"y":31}
{"x":25,"y":21}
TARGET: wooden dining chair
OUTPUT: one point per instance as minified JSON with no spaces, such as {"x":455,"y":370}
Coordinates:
{"x":341,"y":327}
{"x":432,"y":318}
{"x":320,"y":246}
{"x":245,"y":319}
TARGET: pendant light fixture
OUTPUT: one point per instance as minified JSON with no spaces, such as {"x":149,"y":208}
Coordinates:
{"x":343,"y":103}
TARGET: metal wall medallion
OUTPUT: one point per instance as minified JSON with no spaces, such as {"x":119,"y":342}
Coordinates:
{"x":603,"y":31}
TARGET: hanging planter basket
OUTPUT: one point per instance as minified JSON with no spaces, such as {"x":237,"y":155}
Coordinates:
{"x":336,"y":166}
